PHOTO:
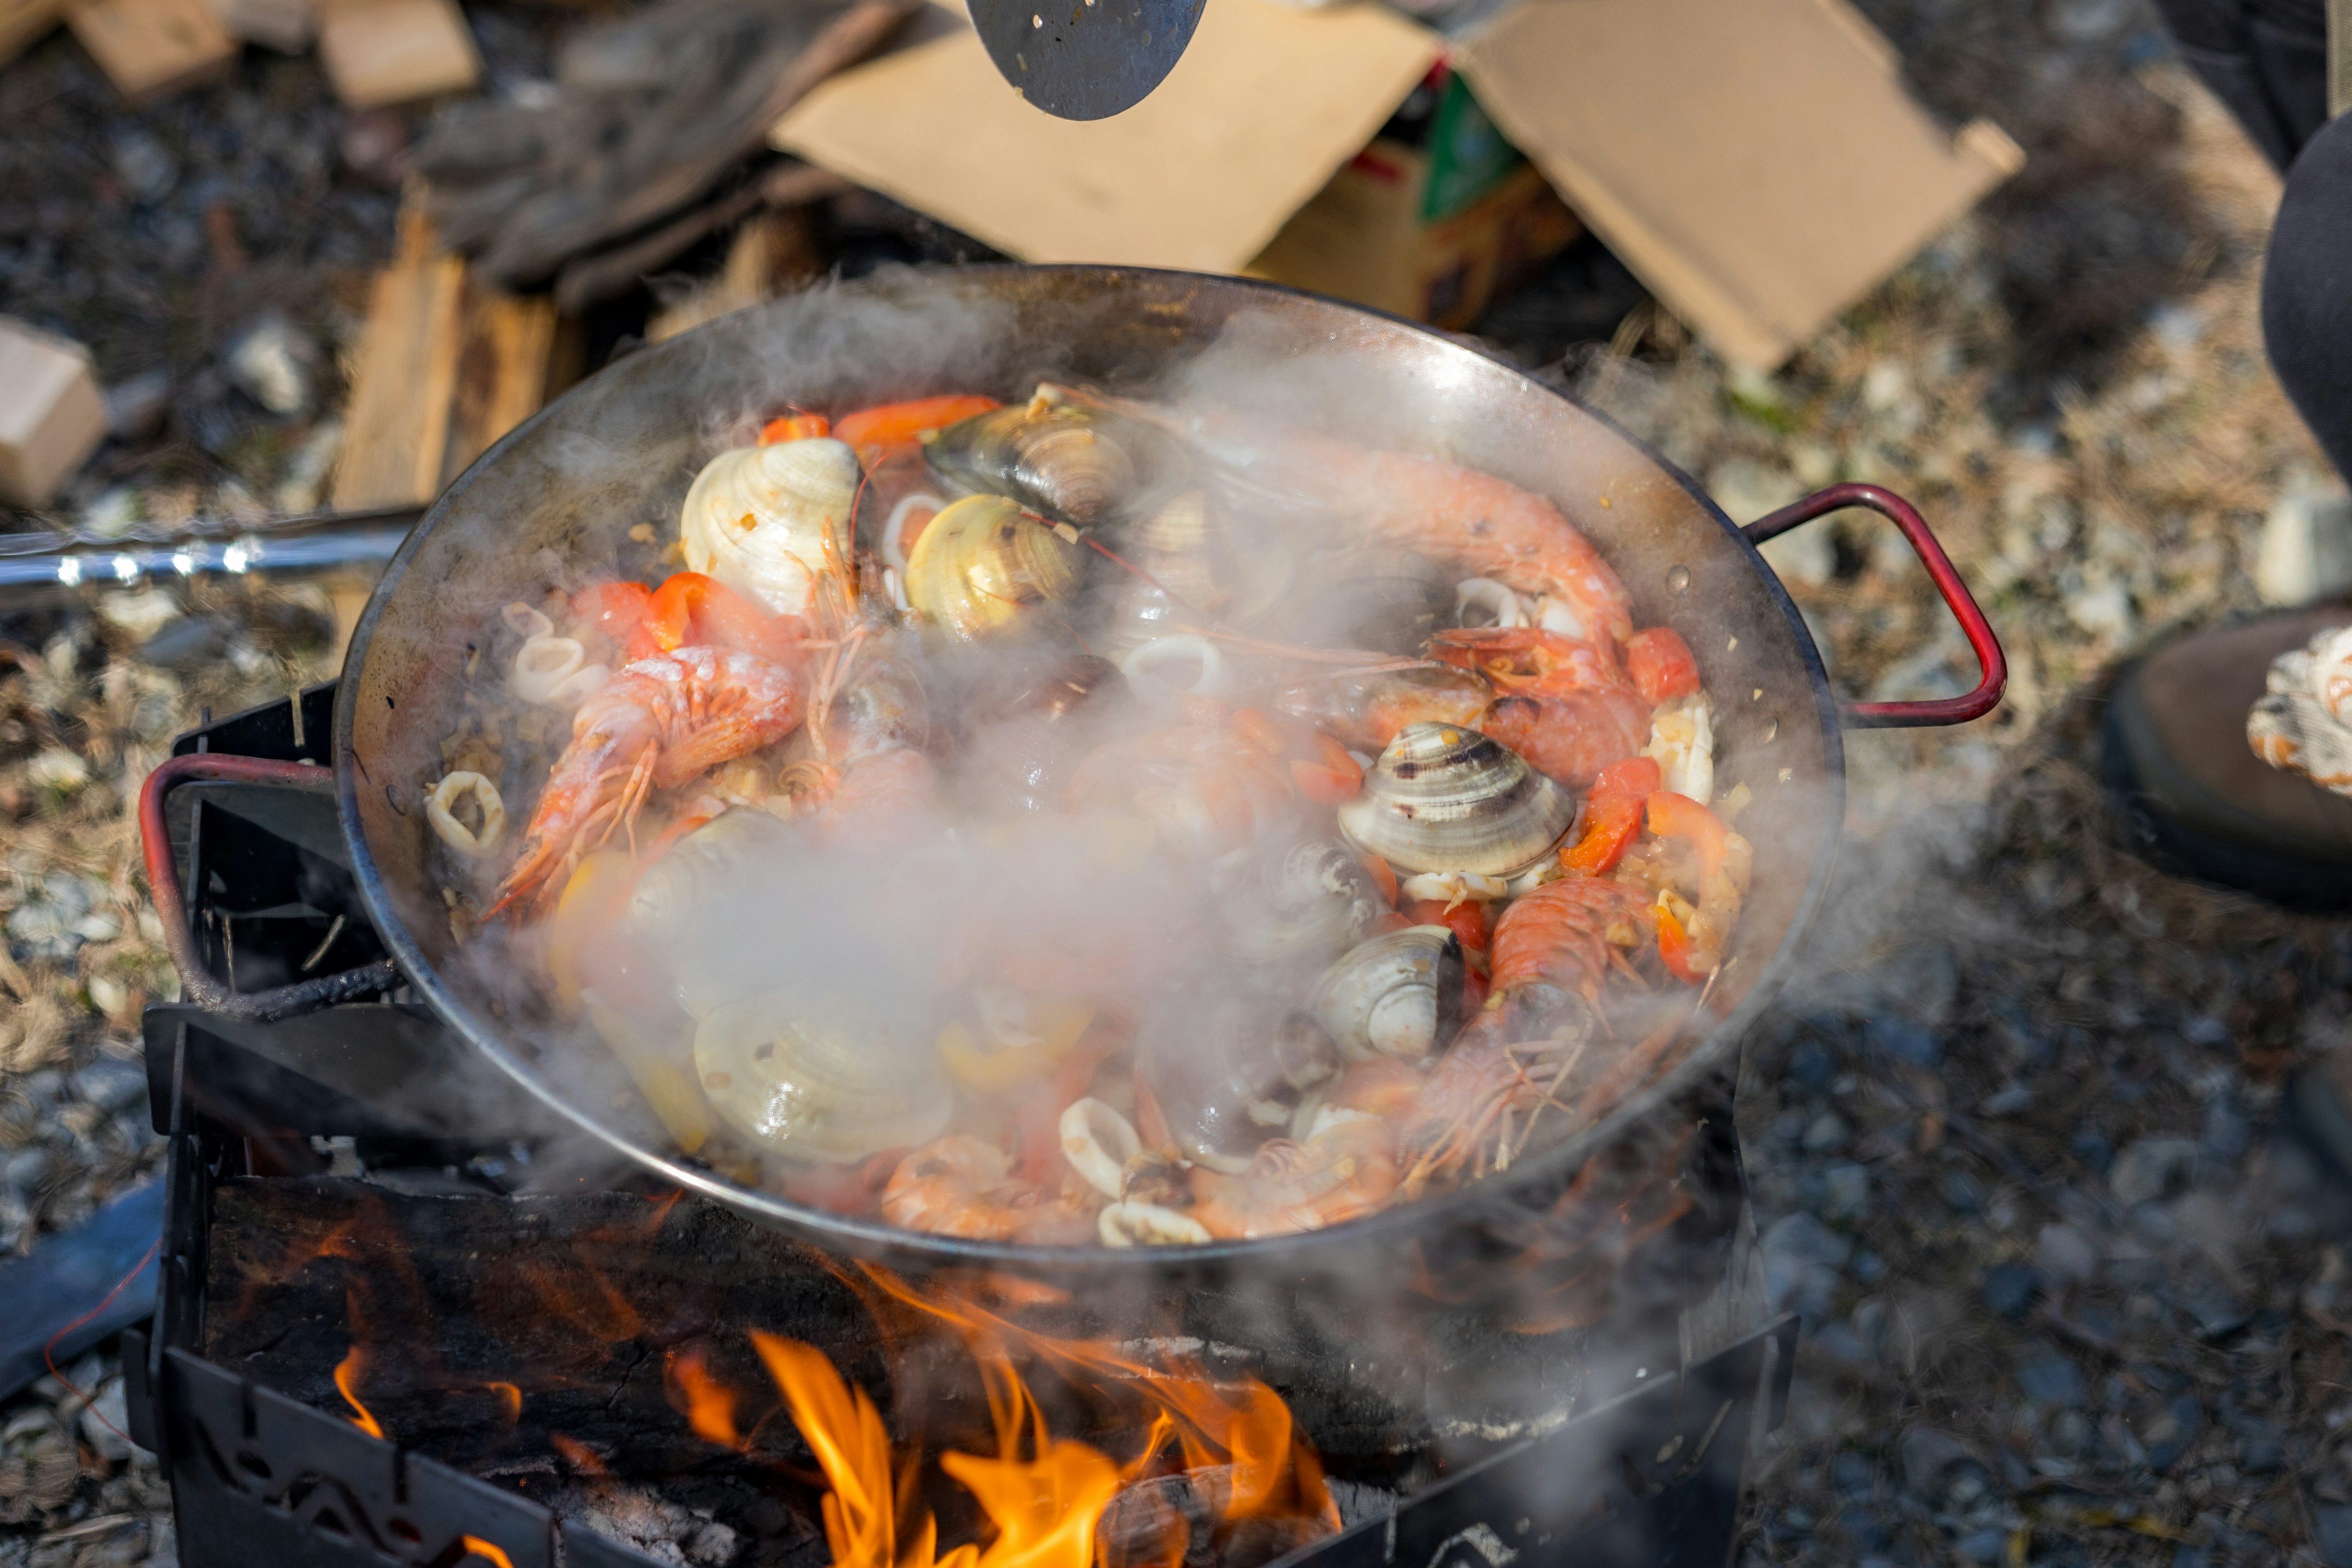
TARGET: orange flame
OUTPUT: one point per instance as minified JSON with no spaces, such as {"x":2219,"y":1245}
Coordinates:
{"x":580,"y":1456}
{"x":477,"y":1547}
{"x":707,"y":1404}
{"x":1044,"y":1497}
{"x":346,"y":1377}
{"x":510,"y":1397}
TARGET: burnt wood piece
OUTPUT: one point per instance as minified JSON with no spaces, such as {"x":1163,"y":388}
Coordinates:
{"x":593,"y":279}
{"x":677,"y":145}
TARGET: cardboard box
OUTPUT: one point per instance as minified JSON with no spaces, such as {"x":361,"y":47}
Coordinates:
{"x":382,"y":52}
{"x":1757,"y":163}
{"x":52,"y":416}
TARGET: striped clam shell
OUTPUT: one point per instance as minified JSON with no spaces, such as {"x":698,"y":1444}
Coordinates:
{"x":1444,"y":798}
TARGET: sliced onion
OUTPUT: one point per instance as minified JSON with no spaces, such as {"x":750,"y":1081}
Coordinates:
{"x":1149,"y":1225}
{"x":1493,"y":603}
{"x":894,"y":553}
{"x":1555,"y":616}
{"x":440,"y":810}
{"x":1454,"y":887}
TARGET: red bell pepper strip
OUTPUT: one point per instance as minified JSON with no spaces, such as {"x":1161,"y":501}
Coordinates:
{"x":1612,"y":816}
{"x":1661,"y":665}
{"x":794,"y":427}
{"x":1681,"y":953}
{"x":894,"y":427}
{"x":690,"y":608}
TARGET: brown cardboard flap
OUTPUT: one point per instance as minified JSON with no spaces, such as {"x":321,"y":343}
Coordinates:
{"x":1755,"y":162}
{"x":1253,"y":120}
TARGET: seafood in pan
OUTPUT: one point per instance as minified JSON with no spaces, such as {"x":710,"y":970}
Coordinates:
{"x":1079,"y":821}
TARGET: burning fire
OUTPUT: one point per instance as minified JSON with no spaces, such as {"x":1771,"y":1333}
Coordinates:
{"x":347,"y":1378}
{"x":1044,"y":1497}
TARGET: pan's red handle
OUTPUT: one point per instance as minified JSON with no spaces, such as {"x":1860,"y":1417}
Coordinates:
{"x":197,"y":983}
{"x":1992,"y":666}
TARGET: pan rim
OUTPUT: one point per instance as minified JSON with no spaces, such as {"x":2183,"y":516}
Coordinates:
{"x":871,"y":1237}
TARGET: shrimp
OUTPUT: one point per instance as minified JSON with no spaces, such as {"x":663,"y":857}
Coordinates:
{"x":1570,"y":737}
{"x":1345,"y":1168}
{"x":1530,"y":661}
{"x":1551,"y":948}
{"x":958,"y":1186}
{"x":961,"y":1185}
{"x":660,"y":723}
{"x":1205,"y":788}
{"x":1484,"y":526}
{"x":1691,"y":938}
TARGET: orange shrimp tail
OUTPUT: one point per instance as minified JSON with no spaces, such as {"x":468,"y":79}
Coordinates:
{"x":1558,"y":934}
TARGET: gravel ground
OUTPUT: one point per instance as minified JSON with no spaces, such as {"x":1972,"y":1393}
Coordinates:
{"x":2071,"y":1295}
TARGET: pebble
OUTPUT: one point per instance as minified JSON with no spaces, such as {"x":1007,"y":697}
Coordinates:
{"x":1901,"y":1040}
{"x":1826,"y":1134}
{"x":2064,"y":1253}
{"x":146,"y":170}
{"x":2011,"y":1290}
{"x":185,"y":643}
{"x":27,"y":1168}
{"x":272,"y":362}
{"x":1926,"y":1454}
{"x":1846,"y":1192}
{"x":2169,"y":1433}
{"x":2151,"y":1168}
{"x":113,"y":1086}
{"x":2047,"y":1375}
{"x":2332,"y":1534}
{"x":1802,"y":1260}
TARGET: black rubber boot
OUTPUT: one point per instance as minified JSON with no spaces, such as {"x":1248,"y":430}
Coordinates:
{"x":2194,"y":797}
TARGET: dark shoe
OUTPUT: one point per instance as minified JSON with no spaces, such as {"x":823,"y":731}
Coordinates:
{"x":2193,"y":795}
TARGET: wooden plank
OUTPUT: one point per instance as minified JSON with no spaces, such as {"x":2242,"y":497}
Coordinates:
{"x":403,"y":376}
{"x":22,"y":22}
{"x":773,"y":254}
{"x":502,"y":366}
{"x":148,"y":48}
{"x":382,"y":52}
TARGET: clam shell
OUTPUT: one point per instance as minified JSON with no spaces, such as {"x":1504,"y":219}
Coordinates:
{"x":1297,"y":903}
{"x":1399,"y":995}
{"x":1227,"y":1072}
{"x":1075,"y":463}
{"x":984,"y":565}
{"x":819,"y":1086}
{"x":706,"y":873}
{"x":1444,"y":798}
{"x":757,"y":517}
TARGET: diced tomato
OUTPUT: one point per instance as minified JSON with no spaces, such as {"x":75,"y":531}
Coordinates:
{"x":613,"y":610}
{"x":794,"y":427}
{"x":894,"y":427}
{"x":1661,"y":665}
{"x":1612,"y":816}
{"x":1467,"y":920}
{"x":691,"y":609}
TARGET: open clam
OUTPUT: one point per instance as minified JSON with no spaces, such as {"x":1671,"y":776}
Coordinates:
{"x":984,"y":567}
{"x":822,"y":1084}
{"x":1399,"y":995}
{"x":1444,"y":798}
{"x":757,"y":518}
{"x":1075,"y":462}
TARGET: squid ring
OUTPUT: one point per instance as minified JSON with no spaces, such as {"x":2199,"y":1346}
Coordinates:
{"x":894,"y":553}
{"x":440,"y":809}
{"x":526,"y":622}
{"x":1154,"y":667}
{"x":1149,"y":1225}
{"x":1499,"y":605}
{"x":542,"y":667}
{"x":1098,"y":1142}
{"x":579,"y":685}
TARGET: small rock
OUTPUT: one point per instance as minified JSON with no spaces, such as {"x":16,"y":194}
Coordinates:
{"x":1846,"y":1191}
{"x":1926,"y":1453}
{"x":2152,"y":1224}
{"x":274,"y":362}
{"x":2216,"y":1314}
{"x":2091,"y":1146}
{"x":1852,"y":1473}
{"x":1802,"y":1259}
{"x":2013,"y":1101}
{"x":2151,"y":1168}
{"x":111,"y":1086}
{"x":140,"y":163}
{"x":1963,"y":1194}
{"x":2306,"y":551}
{"x":108,"y":1440}
{"x":2261,"y":1447}
{"x":1811,"y":1068}
{"x":26,"y":1168}
{"x":1825,"y":1135}
{"x":1983,"y":1545}
{"x":2065,"y":1255}
{"x":188,"y":641}
{"x":2174,"y":1428}
{"x":2045,"y":1376}
{"x":1901,"y":1040}
{"x":2011,"y":1290}
{"x":135,"y":406}
{"x":2226,"y":1134}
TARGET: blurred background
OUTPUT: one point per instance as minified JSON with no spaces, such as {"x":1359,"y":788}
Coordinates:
{"x":273,"y":271}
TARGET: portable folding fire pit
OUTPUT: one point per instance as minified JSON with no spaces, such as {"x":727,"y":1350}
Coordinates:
{"x":369,"y":1240}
